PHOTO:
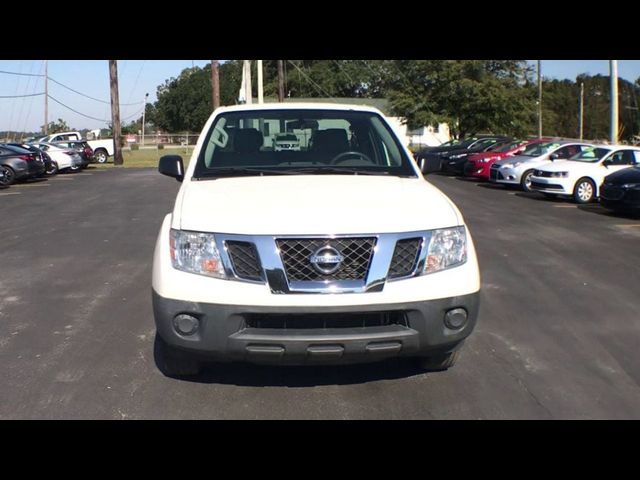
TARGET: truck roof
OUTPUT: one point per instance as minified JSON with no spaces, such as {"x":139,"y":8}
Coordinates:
{"x":299,"y":106}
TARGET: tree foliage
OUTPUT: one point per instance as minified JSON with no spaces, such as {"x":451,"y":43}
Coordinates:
{"x":472,"y":96}
{"x":58,"y":126}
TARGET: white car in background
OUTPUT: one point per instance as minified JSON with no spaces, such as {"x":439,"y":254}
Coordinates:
{"x":286,"y":141}
{"x":518,"y":170}
{"x":581,"y":175}
{"x":64,"y":158}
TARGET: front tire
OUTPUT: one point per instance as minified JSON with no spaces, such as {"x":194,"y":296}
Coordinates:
{"x":100,"y":156}
{"x":438,"y":363}
{"x":525,"y":182}
{"x":53,"y":169}
{"x":174,"y":363}
{"x":585,"y":191}
{"x":9,"y":177}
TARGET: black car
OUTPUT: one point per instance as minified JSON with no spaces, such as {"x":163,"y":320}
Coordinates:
{"x":453,"y":162}
{"x":620,"y":191}
{"x":19,"y":164}
{"x":50,"y":167}
{"x":435,"y":158}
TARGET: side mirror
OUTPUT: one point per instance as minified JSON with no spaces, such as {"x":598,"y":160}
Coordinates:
{"x":172,"y":166}
{"x":429,"y":165}
{"x":606,"y":163}
{"x":554,"y":156}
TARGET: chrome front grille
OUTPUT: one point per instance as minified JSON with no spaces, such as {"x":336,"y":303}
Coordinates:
{"x":405,"y":257}
{"x":296,"y":256}
{"x":245,"y":259}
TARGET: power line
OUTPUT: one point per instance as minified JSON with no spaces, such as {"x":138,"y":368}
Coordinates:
{"x":139,"y":112}
{"x":88,"y":96}
{"x":318,"y":88}
{"x":22,"y":74}
{"x":22,"y":96}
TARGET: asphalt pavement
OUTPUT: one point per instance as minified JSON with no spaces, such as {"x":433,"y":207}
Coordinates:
{"x":557,"y":335}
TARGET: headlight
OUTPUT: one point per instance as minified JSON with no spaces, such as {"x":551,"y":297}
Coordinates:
{"x":447,"y":249}
{"x":460,"y":155}
{"x":631,"y":185}
{"x":558,"y":174}
{"x":195,"y":252}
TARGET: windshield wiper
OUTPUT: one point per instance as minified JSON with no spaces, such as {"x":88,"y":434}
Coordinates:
{"x":239,"y":171}
{"x":333,"y":170}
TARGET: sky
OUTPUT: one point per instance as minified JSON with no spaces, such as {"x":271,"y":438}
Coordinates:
{"x":138,"y":77}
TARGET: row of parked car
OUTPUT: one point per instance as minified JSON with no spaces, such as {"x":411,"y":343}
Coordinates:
{"x":581,"y":171}
{"x":24,"y":161}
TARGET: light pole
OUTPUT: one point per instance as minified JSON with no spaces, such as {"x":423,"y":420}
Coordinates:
{"x":144,"y":111}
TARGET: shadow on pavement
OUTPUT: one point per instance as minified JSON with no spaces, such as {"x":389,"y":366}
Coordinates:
{"x":249,"y":375}
{"x":600,"y":210}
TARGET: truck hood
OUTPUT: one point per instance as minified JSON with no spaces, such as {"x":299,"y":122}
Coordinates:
{"x":312,"y":205}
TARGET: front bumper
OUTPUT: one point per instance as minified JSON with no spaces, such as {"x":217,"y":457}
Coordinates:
{"x":506,"y":175}
{"x":559,"y":186}
{"x":226,"y":332}
{"x":617,"y":198}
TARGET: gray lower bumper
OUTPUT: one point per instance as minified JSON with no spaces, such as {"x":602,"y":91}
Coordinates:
{"x":225,"y":335}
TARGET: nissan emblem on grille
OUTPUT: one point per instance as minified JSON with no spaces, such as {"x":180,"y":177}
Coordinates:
{"x":326,"y":260}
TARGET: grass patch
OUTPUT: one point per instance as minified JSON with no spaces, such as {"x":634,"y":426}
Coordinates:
{"x":147,"y":158}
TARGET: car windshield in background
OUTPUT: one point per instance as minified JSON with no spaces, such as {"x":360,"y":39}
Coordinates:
{"x":590,"y":154}
{"x":540,"y":149}
{"x":319,"y":141}
{"x":506,"y":147}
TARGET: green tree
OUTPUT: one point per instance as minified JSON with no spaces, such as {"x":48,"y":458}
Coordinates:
{"x":472,"y":96}
{"x":55,"y":127}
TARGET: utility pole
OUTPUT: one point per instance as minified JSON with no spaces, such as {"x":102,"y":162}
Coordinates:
{"x":46,"y":97}
{"x":144,"y":111}
{"x":215,"y":84}
{"x":539,"y":100}
{"x":115,"y":112}
{"x":581,"y":109}
{"x":280,"y":82}
{"x":613,"y":69}
{"x":260,"y":85}
{"x":247,"y":86}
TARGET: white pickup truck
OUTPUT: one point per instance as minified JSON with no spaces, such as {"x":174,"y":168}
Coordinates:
{"x":339,"y":252}
{"x":102,"y":149}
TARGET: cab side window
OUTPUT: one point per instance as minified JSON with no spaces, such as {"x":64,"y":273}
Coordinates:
{"x":622,"y":157}
{"x":568,"y":151}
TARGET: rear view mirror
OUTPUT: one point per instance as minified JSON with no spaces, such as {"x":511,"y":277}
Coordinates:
{"x":172,"y":166}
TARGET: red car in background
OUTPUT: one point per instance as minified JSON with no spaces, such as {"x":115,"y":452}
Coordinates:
{"x":479,"y":164}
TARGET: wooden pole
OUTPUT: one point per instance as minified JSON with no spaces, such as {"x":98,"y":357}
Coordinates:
{"x":215,"y":83}
{"x":280,"y":82}
{"x":115,"y":112}
{"x":46,"y":97}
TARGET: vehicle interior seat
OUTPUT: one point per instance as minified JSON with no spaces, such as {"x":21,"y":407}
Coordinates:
{"x":331,"y":140}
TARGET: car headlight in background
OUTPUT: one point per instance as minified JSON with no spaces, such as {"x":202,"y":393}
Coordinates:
{"x":195,"y":252}
{"x":447,"y":248}
{"x":631,"y":185}
{"x":460,"y":155}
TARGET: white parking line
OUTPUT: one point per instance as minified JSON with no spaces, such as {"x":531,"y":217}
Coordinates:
{"x":565,"y":206}
{"x":629,"y":225}
{"x":10,"y":193}
{"x":20,"y":185}
{"x":61,"y":178}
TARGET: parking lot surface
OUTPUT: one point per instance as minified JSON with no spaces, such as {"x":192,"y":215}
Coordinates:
{"x":557,"y":335}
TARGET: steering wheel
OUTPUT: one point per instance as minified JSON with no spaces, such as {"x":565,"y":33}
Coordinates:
{"x":335,"y":160}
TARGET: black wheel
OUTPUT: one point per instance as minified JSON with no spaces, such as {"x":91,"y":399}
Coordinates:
{"x":9,"y":177}
{"x":172,"y":362}
{"x":525,"y":183}
{"x":100,"y":156}
{"x":584,"y":191}
{"x":53,"y":169}
{"x":438,"y":363}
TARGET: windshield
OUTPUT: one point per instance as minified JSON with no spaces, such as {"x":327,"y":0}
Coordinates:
{"x":501,"y":148}
{"x":590,"y":154}
{"x":540,"y":149}
{"x":325,"y":141}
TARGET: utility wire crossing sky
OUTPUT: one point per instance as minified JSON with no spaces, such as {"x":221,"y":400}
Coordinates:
{"x":79,"y":89}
